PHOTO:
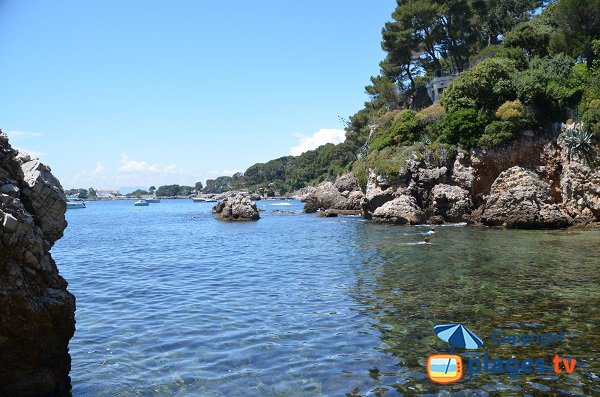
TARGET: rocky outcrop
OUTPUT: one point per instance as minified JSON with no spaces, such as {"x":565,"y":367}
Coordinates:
{"x":401,"y":210}
{"x":531,"y":182}
{"x":451,"y":203}
{"x":37,"y":312}
{"x":520,"y":199}
{"x":236,"y":207}
{"x":580,"y":191}
{"x":344,"y":194}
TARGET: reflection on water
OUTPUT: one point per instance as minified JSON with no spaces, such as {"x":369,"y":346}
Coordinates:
{"x":171,"y":302}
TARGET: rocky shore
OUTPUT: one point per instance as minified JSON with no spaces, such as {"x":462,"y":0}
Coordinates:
{"x":37,"y":312}
{"x":531,"y":182}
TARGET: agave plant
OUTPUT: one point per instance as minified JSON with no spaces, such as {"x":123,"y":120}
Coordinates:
{"x":578,"y":140}
{"x":425,"y":139}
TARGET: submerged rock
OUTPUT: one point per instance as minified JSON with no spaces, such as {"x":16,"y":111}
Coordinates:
{"x":37,"y":312}
{"x":401,"y":210}
{"x":236,"y":207}
{"x":520,"y":199}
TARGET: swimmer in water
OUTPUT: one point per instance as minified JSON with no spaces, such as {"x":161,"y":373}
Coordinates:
{"x":427,"y":240}
{"x":429,"y":233}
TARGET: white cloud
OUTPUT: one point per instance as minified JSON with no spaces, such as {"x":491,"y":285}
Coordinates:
{"x":21,"y":134}
{"x":34,"y":154}
{"x":129,"y":172}
{"x":99,"y":169}
{"x":321,"y":137}
{"x":226,"y":172}
{"x":129,"y":165}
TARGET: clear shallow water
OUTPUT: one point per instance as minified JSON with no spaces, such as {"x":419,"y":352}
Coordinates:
{"x":171,"y":302}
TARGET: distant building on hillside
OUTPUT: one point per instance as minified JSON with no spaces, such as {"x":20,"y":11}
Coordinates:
{"x":437,"y":85}
{"x":106,"y":193}
{"x":440,"y":81}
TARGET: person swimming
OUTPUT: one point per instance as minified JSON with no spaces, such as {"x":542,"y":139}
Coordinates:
{"x":429,"y":232}
{"x":427,"y":240}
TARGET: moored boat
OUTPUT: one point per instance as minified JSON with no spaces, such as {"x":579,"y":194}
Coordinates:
{"x":203,"y":200}
{"x":141,"y":203}
{"x":75,"y":204}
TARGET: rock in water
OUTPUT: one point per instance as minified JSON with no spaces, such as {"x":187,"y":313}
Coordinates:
{"x":36,"y":311}
{"x":401,"y":210}
{"x":520,"y":199}
{"x":236,"y":207}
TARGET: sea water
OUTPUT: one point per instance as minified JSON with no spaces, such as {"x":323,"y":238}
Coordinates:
{"x":172,"y":302}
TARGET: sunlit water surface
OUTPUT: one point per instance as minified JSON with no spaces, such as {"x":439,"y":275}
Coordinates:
{"x":171,"y":302}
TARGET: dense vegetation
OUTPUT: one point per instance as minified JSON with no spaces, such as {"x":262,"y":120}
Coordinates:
{"x":174,"y":190}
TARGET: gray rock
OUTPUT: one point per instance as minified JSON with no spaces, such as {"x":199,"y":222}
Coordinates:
{"x":236,"y":207}
{"x":10,"y":223}
{"x":401,"y":210}
{"x":520,"y":199}
{"x":453,"y":203}
{"x":45,"y":195}
{"x":580,"y":189}
{"x":346,"y":182}
{"x":343,"y":194}
{"x":463,"y":174}
{"x":37,"y":312}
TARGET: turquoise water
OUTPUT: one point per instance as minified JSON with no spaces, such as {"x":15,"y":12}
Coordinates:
{"x":171,"y":302}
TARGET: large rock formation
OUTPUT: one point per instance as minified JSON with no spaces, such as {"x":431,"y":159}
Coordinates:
{"x":236,"y":207}
{"x":36,"y":311}
{"x":343,"y":195}
{"x":531,"y":182}
{"x":401,"y":210}
{"x":519,"y":198}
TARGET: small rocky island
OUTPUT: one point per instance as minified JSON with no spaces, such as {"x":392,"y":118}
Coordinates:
{"x":36,"y":311}
{"x":236,"y":206}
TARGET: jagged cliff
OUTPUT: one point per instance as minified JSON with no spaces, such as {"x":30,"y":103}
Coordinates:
{"x":531,"y":182}
{"x":36,"y":311}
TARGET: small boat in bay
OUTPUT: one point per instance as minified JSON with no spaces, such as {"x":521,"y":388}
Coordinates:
{"x":153,"y":200}
{"x":141,"y":203}
{"x":203,"y":200}
{"x":73,"y":204}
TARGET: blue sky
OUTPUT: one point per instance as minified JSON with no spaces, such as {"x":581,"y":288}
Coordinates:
{"x":118,"y":93}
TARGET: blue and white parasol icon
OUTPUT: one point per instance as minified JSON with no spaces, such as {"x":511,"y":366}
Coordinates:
{"x":458,"y":335}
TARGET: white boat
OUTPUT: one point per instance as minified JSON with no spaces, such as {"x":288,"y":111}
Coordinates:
{"x":153,"y":200}
{"x":75,"y":204}
{"x":203,"y":200}
{"x":141,"y":203}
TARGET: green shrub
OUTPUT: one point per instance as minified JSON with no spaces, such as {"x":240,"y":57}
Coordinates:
{"x":360,"y":170}
{"x":510,"y":110}
{"x":390,"y":160}
{"x":517,"y":55}
{"x":551,"y":85}
{"x":464,"y":127}
{"x":405,"y":128}
{"x":484,"y":87}
{"x":495,"y":133}
{"x":591,"y":117}
{"x":395,"y":127}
